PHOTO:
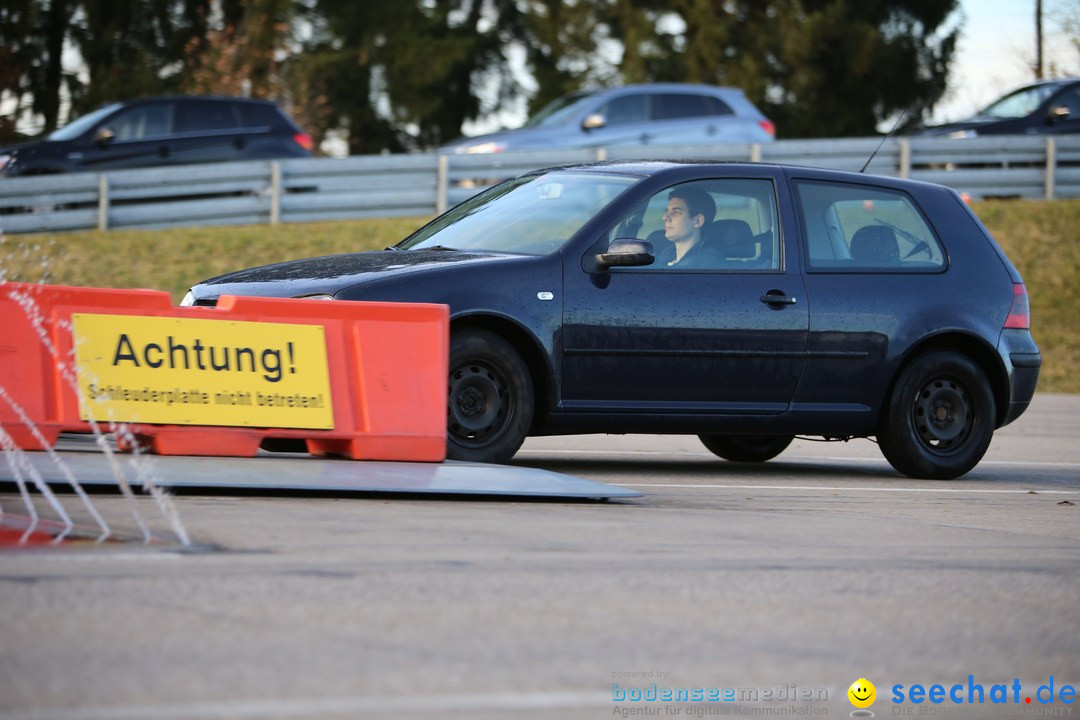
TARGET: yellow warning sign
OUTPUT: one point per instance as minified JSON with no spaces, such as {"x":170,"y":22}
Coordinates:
{"x":202,"y":372}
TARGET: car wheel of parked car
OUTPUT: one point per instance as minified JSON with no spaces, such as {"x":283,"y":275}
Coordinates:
{"x":746,"y":448}
{"x":940,"y":417}
{"x":490,"y":404}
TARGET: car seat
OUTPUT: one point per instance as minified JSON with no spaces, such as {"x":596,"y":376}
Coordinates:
{"x":731,"y":242}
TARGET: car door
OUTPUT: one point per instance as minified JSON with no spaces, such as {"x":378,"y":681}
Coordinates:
{"x":135,"y":136}
{"x":726,"y":339}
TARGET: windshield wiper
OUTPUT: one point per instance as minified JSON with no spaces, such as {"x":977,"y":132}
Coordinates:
{"x":439,"y":248}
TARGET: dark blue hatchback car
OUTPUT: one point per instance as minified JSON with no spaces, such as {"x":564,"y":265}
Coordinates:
{"x":743,"y":303}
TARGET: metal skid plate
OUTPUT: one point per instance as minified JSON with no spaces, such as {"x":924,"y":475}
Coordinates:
{"x":321,"y":475}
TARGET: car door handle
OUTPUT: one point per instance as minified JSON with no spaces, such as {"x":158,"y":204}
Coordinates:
{"x":777,"y":298}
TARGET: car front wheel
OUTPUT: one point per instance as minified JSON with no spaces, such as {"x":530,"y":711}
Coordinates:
{"x":940,"y":417}
{"x":746,"y":448}
{"x":490,"y":401}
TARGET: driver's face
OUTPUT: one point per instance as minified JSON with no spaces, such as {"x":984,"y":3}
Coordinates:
{"x":678,"y":225}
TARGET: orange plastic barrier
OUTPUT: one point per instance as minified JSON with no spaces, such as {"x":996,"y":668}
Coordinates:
{"x":386,"y":366}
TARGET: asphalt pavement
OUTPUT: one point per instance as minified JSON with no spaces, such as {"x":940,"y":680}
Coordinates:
{"x":770,"y":587}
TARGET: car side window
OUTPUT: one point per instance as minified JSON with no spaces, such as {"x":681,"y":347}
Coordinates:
{"x":256,"y":115}
{"x":857,"y":228}
{"x":739,"y":234}
{"x":718,"y":106}
{"x":672,"y":106}
{"x":206,"y":117}
{"x":624,"y":110}
{"x":1070,"y":100}
{"x":143,"y":122}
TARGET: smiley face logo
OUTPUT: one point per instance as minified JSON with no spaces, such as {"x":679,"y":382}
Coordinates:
{"x":862,"y":693}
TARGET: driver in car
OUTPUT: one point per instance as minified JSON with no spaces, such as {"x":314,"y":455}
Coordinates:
{"x":690,"y":210}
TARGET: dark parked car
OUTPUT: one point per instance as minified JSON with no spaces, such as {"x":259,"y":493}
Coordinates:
{"x":817,"y":303}
{"x":652,"y":114}
{"x":1048,"y":107}
{"x":162,"y":131}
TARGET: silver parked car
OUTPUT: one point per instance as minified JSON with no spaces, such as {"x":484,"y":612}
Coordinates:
{"x":653,"y":114}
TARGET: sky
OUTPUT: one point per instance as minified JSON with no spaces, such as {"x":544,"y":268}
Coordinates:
{"x":995,"y":52}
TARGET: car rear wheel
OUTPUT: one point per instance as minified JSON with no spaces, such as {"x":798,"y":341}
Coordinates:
{"x":490,"y":403}
{"x":746,"y":448}
{"x":940,"y":417}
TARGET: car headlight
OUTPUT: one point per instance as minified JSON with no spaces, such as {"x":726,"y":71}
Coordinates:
{"x":4,"y":160}
{"x":189,"y":299}
{"x":481,"y":148}
{"x":962,"y":134}
{"x":315,"y":296}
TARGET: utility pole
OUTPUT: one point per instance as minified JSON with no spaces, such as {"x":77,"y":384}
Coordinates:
{"x":1038,"y":40}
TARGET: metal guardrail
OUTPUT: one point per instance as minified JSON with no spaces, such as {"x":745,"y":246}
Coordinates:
{"x":306,"y":190}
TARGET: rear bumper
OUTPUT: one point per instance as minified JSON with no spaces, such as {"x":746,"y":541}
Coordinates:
{"x":1023,"y":361}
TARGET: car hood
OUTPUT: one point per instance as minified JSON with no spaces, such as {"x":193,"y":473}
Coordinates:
{"x":333,"y":273}
{"x":32,"y":147}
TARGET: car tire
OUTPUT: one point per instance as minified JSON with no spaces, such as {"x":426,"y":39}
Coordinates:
{"x":746,"y":448}
{"x":940,"y":417}
{"x":490,"y":402}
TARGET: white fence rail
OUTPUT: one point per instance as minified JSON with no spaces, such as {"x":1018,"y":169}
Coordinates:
{"x":424,"y":184}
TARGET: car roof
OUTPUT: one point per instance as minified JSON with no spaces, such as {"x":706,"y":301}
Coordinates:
{"x":665,"y":87}
{"x":210,"y":98}
{"x":1052,"y":82}
{"x":648,"y":168}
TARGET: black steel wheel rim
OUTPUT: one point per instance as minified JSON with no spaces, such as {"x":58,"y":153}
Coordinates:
{"x":942,"y":416}
{"x":479,"y":403}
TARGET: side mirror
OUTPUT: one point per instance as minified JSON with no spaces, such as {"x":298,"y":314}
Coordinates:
{"x":593,"y":122}
{"x":104,"y":136}
{"x":626,"y":253}
{"x":1058,"y":113}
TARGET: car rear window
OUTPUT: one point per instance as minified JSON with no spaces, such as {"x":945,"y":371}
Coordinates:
{"x":858,"y":228}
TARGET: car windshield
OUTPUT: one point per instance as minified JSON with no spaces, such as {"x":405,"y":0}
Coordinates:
{"x":557,"y":111}
{"x":74,"y":129}
{"x":1021,"y":103}
{"x":529,"y":215}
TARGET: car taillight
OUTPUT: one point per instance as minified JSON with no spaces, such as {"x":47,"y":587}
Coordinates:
{"x":1020,"y":312}
{"x":767,"y":126}
{"x":304,"y":141}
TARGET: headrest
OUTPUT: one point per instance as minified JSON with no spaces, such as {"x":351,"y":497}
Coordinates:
{"x":876,"y":244}
{"x":734,"y":238}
